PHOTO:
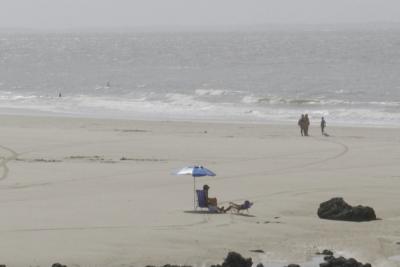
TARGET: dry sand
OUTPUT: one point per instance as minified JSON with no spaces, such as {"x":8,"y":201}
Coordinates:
{"x":66,"y":195}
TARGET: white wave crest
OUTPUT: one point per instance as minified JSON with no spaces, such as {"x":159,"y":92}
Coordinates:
{"x":183,"y":106}
{"x":211,"y":92}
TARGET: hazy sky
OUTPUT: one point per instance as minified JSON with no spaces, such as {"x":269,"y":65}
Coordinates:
{"x":132,"y":13}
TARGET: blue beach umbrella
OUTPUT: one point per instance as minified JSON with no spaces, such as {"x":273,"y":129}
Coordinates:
{"x":195,"y":171}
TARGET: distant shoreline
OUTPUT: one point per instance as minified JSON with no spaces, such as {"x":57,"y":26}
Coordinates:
{"x":314,"y":123}
{"x":373,"y":25}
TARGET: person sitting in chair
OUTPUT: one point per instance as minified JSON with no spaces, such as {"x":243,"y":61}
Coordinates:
{"x":212,"y":202}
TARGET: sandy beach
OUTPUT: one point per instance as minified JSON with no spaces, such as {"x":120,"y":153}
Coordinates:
{"x":93,"y":192}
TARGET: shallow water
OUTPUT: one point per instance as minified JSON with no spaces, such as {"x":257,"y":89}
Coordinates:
{"x":348,"y":76}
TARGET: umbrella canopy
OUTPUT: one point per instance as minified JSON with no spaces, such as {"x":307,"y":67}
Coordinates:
{"x":195,"y":171}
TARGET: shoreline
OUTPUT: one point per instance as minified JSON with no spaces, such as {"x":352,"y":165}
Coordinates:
{"x":199,"y":121}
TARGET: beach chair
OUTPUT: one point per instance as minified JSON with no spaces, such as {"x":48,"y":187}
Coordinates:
{"x":202,"y":203}
{"x":239,"y":207}
{"x":201,"y":199}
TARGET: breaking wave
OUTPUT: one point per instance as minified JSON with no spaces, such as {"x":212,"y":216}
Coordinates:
{"x":179,"y":106}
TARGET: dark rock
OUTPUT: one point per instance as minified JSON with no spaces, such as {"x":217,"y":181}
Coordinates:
{"x":338,"y":209}
{"x":2,"y":265}
{"x":234,"y":259}
{"x":260,"y":265}
{"x":327,"y":258}
{"x":257,"y":250}
{"x":58,"y":265}
{"x":293,"y":265}
{"x":342,"y":262}
{"x":325,"y":252}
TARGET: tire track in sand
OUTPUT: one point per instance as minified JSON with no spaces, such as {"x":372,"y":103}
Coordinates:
{"x":344,"y":150}
{"x":5,"y":160}
{"x":288,"y":169}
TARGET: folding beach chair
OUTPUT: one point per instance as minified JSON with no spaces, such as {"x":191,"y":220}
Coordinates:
{"x":201,"y":199}
{"x":239,"y":207}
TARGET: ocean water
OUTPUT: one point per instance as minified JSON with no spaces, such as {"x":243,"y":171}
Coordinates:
{"x":349,"y":76}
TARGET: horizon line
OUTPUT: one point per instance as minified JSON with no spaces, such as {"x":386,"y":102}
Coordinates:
{"x":217,"y":27}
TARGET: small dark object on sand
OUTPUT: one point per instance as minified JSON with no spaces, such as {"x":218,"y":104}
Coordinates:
{"x":331,"y":261}
{"x":234,"y":259}
{"x":170,"y":265}
{"x":338,"y":209}
{"x":397,"y":243}
{"x":58,"y":265}
{"x":293,"y":265}
{"x":2,"y":265}
{"x":325,"y":252}
{"x":260,"y":265}
{"x":257,"y":250}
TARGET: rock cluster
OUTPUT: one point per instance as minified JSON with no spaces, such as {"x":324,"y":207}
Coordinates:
{"x":331,"y":261}
{"x":234,"y":259}
{"x":338,"y":209}
{"x":325,"y":252}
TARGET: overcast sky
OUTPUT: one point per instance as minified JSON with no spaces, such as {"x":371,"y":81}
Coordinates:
{"x":137,"y":13}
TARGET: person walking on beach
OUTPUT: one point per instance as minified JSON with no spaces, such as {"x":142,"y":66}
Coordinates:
{"x":323,"y":125}
{"x":306,"y":124}
{"x":301,"y":124}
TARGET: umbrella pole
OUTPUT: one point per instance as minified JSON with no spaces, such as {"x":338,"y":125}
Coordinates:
{"x":194,"y":193}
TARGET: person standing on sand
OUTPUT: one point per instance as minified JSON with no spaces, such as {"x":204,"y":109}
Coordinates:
{"x":323,"y":125}
{"x":301,"y":124}
{"x":306,"y":124}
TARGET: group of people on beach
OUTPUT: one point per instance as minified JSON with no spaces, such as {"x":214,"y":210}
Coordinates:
{"x":212,"y":202}
{"x":304,"y":124}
